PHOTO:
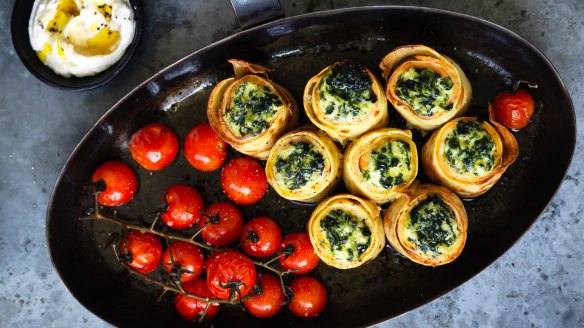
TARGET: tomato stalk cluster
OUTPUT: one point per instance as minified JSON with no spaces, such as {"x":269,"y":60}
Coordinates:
{"x":176,"y":285}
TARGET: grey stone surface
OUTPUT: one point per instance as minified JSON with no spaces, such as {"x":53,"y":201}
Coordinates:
{"x":538,"y":283}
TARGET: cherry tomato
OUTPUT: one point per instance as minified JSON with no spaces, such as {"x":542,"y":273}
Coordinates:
{"x":309,"y":297}
{"x":189,"y":307}
{"x":204,"y":149}
{"x":244,"y":181}
{"x":261,"y":237}
{"x":154,"y":146}
{"x":188,"y":260}
{"x":303,"y":258}
{"x":143,"y":251}
{"x":230,"y":271}
{"x":514,"y":109}
{"x":268,"y":297}
{"x":225,"y":224}
{"x":184,"y":206}
{"x":120,"y":183}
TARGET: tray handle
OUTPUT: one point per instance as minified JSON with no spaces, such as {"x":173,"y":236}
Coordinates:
{"x":255,"y":12}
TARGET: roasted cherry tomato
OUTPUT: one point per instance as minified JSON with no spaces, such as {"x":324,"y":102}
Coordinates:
{"x":268,"y":297}
{"x":188,"y":260}
{"x":300,"y":255}
{"x":189,"y":307}
{"x":119,"y":180}
{"x":309,"y":297}
{"x":204,"y":149}
{"x":184,"y":207}
{"x":261,"y":237}
{"x":230,"y":275}
{"x":154,"y":146}
{"x":244,"y":180}
{"x":514,"y":109}
{"x":221,"y":224}
{"x":142,"y":250}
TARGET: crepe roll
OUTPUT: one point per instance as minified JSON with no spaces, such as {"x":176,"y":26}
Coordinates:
{"x":346,"y":231}
{"x":468,"y":155}
{"x":381,"y":164}
{"x":304,"y":165}
{"x":345,"y":100}
{"x":426,"y":88}
{"x":428,"y":225}
{"x":249,"y":111}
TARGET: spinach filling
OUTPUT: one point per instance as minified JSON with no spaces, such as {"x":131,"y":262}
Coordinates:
{"x":425,"y":91}
{"x":346,"y":91}
{"x":252,"y":109}
{"x":389,"y":165}
{"x":433,"y":224}
{"x":300,"y":166}
{"x":470,"y":149}
{"x":348,"y":236}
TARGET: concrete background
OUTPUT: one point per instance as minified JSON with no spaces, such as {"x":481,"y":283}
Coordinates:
{"x":538,"y":283}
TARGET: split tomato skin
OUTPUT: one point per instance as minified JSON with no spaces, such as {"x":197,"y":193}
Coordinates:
{"x":204,"y":149}
{"x":184,"y":207}
{"x":303,"y":258}
{"x":226,"y":230}
{"x":261,"y":237}
{"x":514,"y":109}
{"x":186,"y":256}
{"x":144,"y":249}
{"x":268,"y":297}
{"x":120,"y":183}
{"x":309,"y":297}
{"x":154,"y":146}
{"x":191,"y":308}
{"x":230,"y":268}
{"x":244,"y":180}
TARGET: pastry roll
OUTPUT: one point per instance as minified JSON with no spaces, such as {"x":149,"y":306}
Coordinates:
{"x":427,"y":89}
{"x":380,"y":164}
{"x":345,"y":100}
{"x":468,"y":155}
{"x":249,"y":111}
{"x":304,"y":165}
{"x":346,"y":231}
{"x":428,"y":225}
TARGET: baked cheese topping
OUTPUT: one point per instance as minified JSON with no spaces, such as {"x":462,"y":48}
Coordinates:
{"x":252,"y":109}
{"x":425,"y":91}
{"x":470,"y":149}
{"x":345,"y":92}
{"x":432,"y":226}
{"x":347,"y":235}
{"x":389,"y":165}
{"x":299,"y":165}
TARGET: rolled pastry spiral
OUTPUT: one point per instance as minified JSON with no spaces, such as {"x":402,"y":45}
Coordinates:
{"x":346,"y":231}
{"x":304,"y":165}
{"x":426,"y":88}
{"x":428,"y":225}
{"x":249,"y":111}
{"x":345,"y":100}
{"x":468,"y":155}
{"x":380,"y":164}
